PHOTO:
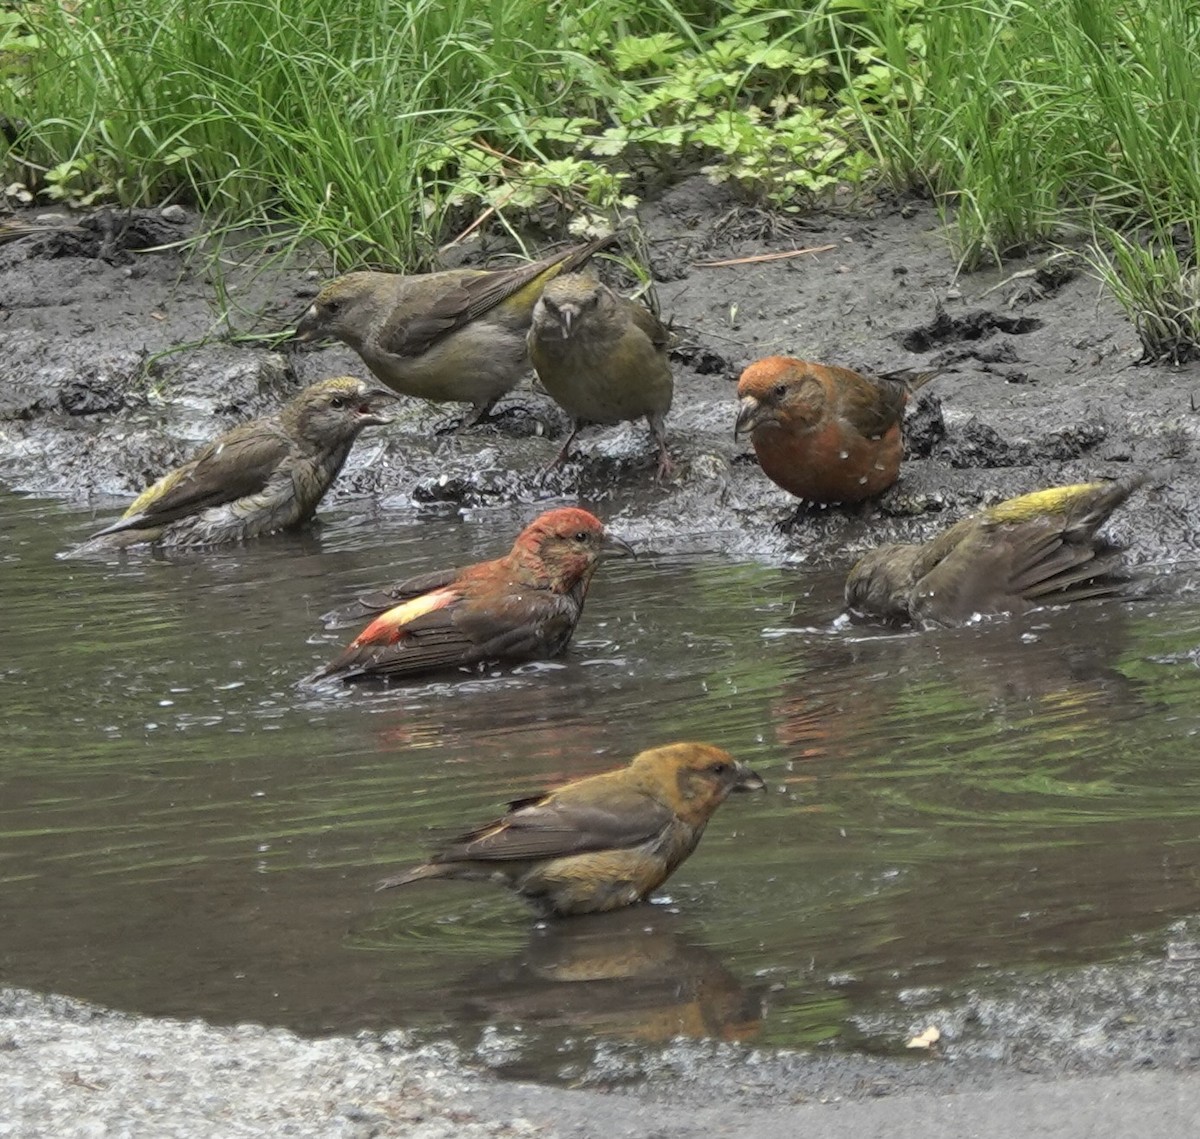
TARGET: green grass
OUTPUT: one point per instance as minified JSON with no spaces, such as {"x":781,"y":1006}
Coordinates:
{"x":379,"y":126}
{"x":1036,"y":122}
{"x":321,"y":115}
{"x":383,"y":127}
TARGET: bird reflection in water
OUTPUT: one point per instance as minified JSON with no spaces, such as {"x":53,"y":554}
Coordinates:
{"x":1056,"y":666}
{"x":633,"y":973}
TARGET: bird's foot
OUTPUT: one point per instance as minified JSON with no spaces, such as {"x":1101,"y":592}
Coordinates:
{"x":515,"y":415}
{"x":666,"y":466}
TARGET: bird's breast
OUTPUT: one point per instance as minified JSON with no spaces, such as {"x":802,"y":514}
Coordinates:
{"x":830,"y":464}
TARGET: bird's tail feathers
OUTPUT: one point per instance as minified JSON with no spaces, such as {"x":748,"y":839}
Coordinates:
{"x":578,"y":257}
{"x":1095,"y":509}
{"x":425,"y":870}
{"x":911,"y":379}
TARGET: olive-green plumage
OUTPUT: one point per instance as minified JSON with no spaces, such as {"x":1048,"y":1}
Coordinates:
{"x":266,"y":475}
{"x":602,"y":842}
{"x":602,"y":357}
{"x":1039,"y":549}
{"x":457,"y":335}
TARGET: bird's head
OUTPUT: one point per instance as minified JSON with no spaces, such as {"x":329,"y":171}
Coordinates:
{"x":567,"y":301}
{"x":565,"y":545}
{"x":775,"y":391}
{"x":694,"y":779}
{"x":332,"y":411}
{"x":345,"y":308}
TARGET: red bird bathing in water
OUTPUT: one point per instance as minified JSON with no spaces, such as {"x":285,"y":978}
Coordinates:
{"x":825,"y":434}
{"x":523,"y":606}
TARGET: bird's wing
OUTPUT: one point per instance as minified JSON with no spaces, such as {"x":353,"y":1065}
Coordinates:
{"x":412,"y":333}
{"x":409,"y":332}
{"x":442,"y":630}
{"x":658,"y":333}
{"x":380,"y":600}
{"x":413,"y":329}
{"x":234,"y":466}
{"x":996,"y":567}
{"x":1052,"y":568}
{"x":872,"y":405}
{"x":553,"y":826}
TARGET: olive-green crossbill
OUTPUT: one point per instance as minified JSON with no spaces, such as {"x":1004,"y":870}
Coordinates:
{"x":266,"y":475}
{"x":602,"y":842}
{"x":1039,"y":549}
{"x":602,"y":357}
{"x":457,"y":335}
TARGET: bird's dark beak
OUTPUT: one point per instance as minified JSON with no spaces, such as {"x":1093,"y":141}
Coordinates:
{"x":751,"y":413}
{"x":613,"y":547}
{"x":369,"y":410}
{"x":748,"y":780}
{"x":306,"y":326}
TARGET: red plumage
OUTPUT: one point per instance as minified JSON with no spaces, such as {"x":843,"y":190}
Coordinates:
{"x":523,"y":606}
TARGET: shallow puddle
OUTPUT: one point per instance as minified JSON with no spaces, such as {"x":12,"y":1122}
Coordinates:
{"x":183,"y":831}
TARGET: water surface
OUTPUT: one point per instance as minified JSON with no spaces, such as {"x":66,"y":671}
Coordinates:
{"x":184,"y":831}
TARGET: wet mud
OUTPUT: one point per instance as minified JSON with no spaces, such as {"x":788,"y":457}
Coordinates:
{"x":120,"y":363}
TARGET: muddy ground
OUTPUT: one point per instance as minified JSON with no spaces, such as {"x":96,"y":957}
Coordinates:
{"x":119,"y":363}
{"x":103,"y":391}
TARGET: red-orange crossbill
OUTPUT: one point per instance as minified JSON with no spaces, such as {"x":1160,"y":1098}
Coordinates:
{"x":523,"y":606}
{"x":602,"y":357}
{"x":1039,"y":549}
{"x":457,"y":335}
{"x":602,"y":842}
{"x":266,"y":475}
{"x":825,"y":434}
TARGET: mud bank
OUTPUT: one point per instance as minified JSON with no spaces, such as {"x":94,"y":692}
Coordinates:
{"x":103,"y":392}
{"x":72,"y":1069}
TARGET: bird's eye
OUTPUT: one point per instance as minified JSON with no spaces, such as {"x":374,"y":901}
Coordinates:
{"x":719,"y":768}
{"x":582,"y":536}
{"x":332,"y":307}
{"x":779,"y":391}
{"x":338,"y":402}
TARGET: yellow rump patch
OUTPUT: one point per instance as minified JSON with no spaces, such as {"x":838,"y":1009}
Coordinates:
{"x":1055,"y":500}
{"x":153,"y":493}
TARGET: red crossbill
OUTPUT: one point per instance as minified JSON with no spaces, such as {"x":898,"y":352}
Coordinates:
{"x":1039,"y":549}
{"x":457,"y":335}
{"x":266,"y":475}
{"x":598,"y":843}
{"x":602,"y":357}
{"x":523,"y":606}
{"x":825,"y":434}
